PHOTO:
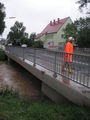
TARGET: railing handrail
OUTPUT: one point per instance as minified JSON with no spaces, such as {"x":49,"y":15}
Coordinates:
{"x":43,"y":49}
{"x":53,"y":60}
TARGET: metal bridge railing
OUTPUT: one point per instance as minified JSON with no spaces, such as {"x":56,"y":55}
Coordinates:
{"x":53,"y":61}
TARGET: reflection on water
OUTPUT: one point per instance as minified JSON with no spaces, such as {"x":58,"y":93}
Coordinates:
{"x":18,"y":78}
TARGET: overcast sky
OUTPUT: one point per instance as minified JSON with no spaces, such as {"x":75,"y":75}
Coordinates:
{"x":36,"y":14}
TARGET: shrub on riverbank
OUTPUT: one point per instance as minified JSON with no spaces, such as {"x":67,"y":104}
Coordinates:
{"x":2,"y":55}
{"x":13,"y":108}
{"x":6,"y":91}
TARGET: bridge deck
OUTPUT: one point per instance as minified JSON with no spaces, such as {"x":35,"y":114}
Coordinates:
{"x":78,"y":87}
{"x":75,"y":91}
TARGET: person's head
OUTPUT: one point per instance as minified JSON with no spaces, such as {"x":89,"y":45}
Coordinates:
{"x":71,"y":39}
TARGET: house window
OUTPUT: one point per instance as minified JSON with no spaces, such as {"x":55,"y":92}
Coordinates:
{"x":50,"y":43}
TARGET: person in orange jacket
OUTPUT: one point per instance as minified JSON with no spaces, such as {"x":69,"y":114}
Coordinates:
{"x":68,"y":56}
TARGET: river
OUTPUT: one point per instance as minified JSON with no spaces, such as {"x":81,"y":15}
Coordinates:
{"x":16,"y":77}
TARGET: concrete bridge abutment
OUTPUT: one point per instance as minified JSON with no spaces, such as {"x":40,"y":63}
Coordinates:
{"x":52,"y":94}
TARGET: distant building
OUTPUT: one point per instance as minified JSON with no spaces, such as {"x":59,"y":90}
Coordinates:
{"x":52,"y":33}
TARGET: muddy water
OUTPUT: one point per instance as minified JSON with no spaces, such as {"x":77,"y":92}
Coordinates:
{"x":18,"y":78}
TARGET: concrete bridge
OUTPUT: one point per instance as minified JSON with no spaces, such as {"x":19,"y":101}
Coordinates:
{"x":46,"y":66}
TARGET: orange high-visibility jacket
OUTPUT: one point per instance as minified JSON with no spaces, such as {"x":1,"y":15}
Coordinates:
{"x":68,"y":52}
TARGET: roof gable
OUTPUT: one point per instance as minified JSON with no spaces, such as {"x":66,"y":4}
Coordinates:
{"x":53,"y":27}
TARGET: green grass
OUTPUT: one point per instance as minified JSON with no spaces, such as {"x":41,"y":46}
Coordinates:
{"x":2,"y":55}
{"x":14,"y":108}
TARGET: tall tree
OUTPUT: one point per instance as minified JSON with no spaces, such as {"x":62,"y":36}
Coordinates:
{"x":33,"y":36}
{"x":83,"y":3}
{"x":80,"y":30}
{"x":2,"y":16}
{"x":83,"y":26}
{"x":17,"y":34}
{"x":70,"y":30}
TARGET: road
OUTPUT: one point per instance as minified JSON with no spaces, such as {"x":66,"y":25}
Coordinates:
{"x":44,"y":58}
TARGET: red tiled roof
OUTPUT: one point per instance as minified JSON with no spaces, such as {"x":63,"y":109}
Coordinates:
{"x":53,"y":27}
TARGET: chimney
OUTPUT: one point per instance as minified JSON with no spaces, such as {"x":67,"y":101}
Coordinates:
{"x":54,"y":22}
{"x":58,"y":20}
{"x":51,"y":23}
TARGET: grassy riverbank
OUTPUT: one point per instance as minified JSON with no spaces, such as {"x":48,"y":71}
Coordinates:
{"x":14,"y":108}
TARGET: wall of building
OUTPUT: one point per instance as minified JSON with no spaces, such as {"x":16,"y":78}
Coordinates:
{"x":58,"y":37}
{"x":49,"y":40}
{"x":55,"y":39}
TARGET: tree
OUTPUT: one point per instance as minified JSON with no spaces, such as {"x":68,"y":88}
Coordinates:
{"x":38,"y":44}
{"x":83,"y":26}
{"x":70,"y":30}
{"x":17,"y":35}
{"x":84,"y":38}
{"x":31,"y":39}
{"x":2,"y":16}
{"x":84,"y":3}
{"x":80,"y":30}
{"x":33,"y":43}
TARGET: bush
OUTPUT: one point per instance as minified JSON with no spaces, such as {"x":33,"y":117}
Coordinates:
{"x":2,"y":55}
{"x":38,"y":44}
{"x":6,"y":91}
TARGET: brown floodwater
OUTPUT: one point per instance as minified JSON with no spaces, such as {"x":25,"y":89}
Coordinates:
{"x":16,"y":77}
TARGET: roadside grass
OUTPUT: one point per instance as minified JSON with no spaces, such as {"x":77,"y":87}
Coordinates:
{"x":2,"y":55}
{"x":12,"y":107}
{"x":1,"y":62}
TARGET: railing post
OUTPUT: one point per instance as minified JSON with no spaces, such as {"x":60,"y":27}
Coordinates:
{"x":55,"y":75}
{"x":34,"y":64}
